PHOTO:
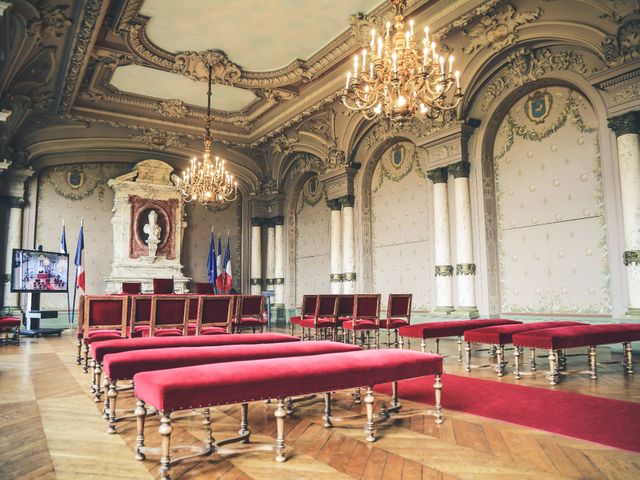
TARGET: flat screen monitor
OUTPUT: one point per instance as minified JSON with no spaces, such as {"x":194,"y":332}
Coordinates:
{"x":36,"y":271}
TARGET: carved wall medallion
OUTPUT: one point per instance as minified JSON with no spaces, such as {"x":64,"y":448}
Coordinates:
{"x":172,"y":108}
{"x":75,"y":178}
{"x":624,"y":45}
{"x":538,"y":106}
{"x":140,"y":209}
{"x":499,"y":29}
{"x":158,"y":139}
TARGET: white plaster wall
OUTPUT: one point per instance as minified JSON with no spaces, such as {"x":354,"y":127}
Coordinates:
{"x":552,"y":233}
{"x":402,"y":247}
{"x":313,"y":265}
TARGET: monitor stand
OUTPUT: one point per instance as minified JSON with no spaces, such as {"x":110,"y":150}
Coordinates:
{"x":33,"y":316}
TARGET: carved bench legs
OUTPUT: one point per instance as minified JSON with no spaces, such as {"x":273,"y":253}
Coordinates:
{"x":280,"y":413}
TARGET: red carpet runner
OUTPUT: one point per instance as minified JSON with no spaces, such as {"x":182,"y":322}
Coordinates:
{"x":610,"y":422}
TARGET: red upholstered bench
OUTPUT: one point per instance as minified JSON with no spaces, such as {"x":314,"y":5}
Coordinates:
{"x":555,"y":339}
{"x":122,"y":366}
{"x":100,"y":349}
{"x":10,"y":325}
{"x":449,"y":328}
{"x":501,"y":335}
{"x":242,"y":382}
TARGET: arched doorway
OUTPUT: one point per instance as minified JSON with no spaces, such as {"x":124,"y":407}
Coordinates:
{"x":400,"y":220}
{"x":552,"y":233}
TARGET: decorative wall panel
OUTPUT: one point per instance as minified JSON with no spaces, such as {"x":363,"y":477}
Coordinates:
{"x":69,"y":193}
{"x":402,"y":250}
{"x":550,"y":204}
{"x":197,"y":236}
{"x":312,"y":240}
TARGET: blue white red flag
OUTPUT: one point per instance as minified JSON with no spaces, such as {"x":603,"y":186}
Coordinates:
{"x":80,"y":280}
{"x":226,"y":278}
{"x":63,"y":241}
{"x":212,"y":261}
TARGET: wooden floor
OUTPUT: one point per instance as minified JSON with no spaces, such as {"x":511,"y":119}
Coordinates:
{"x":51,"y":428}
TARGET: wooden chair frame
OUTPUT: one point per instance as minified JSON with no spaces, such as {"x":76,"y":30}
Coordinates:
{"x":227,"y":324}
{"x":407,"y":314}
{"x":184,"y":325}
{"x":133,"y":300}
{"x":304,"y":310}
{"x":86,"y":320}
{"x":317,"y":314}
{"x":357,"y":316}
{"x":239,"y":305}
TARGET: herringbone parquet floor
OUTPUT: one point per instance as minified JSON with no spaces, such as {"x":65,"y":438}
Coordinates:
{"x":51,"y":428}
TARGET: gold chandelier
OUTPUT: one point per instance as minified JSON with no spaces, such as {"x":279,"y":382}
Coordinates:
{"x":207,"y":180}
{"x":396,"y":78}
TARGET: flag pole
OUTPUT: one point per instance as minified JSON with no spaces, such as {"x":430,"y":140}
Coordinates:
{"x":75,"y":282}
{"x":69,"y":319}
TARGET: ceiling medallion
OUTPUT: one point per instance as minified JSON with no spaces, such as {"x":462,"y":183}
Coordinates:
{"x":395,"y":78}
{"x":207,"y":180}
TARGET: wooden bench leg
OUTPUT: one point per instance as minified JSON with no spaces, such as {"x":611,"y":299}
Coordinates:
{"x":141,"y":413}
{"x":438,"y":346}
{"x":86,"y":358}
{"x":289,"y":406}
{"x":79,"y":353}
{"x":370,"y":427}
{"x":356,"y":396}
{"x":400,"y":342}
{"x":437,"y":390}
{"x":105,"y":405}
{"x":327,"y":410}
{"x":467,"y":351}
{"x":500,"y":366}
{"x":394,"y":395}
{"x":459,"y":349}
{"x":532,"y":360}
{"x":165,"y":431}
{"x":206,"y":423}
{"x":244,"y":422}
{"x":292,"y":325}
{"x":423,"y":345}
{"x":628,"y":353}
{"x":593,"y":367}
{"x":553,"y":367}
{"x":280,"y":448}
{"x":113,"y":396}
{"x":516,"y":363}
{"x":97,"y":378}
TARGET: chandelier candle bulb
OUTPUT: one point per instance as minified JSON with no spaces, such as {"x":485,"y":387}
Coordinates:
{"x":411,"y":22}
{"x":450,"y":64}
{"x":457,"y":75}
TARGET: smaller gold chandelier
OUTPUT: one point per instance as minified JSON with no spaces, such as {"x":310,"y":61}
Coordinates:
{"x":394,"y":78}
{"x":207,"y":180}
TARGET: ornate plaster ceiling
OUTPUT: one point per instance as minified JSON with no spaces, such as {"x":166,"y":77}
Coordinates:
{"x":257,"y":35}
{"x":151,"y":82}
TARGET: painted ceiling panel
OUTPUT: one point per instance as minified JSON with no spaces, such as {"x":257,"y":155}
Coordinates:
{"x":258,"y":35}
{"x":156,"y":83}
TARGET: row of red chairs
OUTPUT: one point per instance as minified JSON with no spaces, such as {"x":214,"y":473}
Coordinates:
{"x":165,"y":286}
{"x":322,"y":314}
{"x":108,"y":317}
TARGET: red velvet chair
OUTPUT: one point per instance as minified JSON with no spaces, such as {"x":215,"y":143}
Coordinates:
{"x":345,"y":310}
{"x":132,"y":288}
{"x":398,"y":314}
{"x":162,"y":286}
{"x":215,"y":314}
{"x":204,"y":288}
{"x":103,"y":318}
{"x":169,"y":316}
{"x":324,"y":318}
{"x":10,"y":327}
{"x":139,"y":314}
{"x":250,"y":313}
{"x":307,"y":310}
{"x":366,"y":317}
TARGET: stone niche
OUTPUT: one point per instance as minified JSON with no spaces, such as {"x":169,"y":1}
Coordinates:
{"x":148,"y":227}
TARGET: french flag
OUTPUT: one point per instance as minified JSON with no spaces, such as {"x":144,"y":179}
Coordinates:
{"x":225,"y":279}
{"x":78,"y":261}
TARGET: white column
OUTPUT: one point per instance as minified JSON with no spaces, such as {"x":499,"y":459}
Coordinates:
{"x":627,"y":128}
{"x":465,"y":267}
{"x":348,"y":247}
{"x":442,"y":243}
{"x":14,"y":240}
{"x":271,"y":255}
{"x":336,"y":247}
{"x":278,"y":280}
{"x":256,"y":260}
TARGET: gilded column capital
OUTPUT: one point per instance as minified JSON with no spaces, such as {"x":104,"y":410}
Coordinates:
{"x":334,"y":204}
{"x":631,"y":257}
{"x":13,"y":202}
{"x":336,"y":278}
{"x":438,"y":175}
{"x":625,"y":124}
{"x":347,"y":201}
{"x":255,"y":281}
{"x":259,"y":222}
{"x":349,"y":276}
{"x":460,"y":169}
{"x":466,"y":269}
{"x":444,"y":270}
